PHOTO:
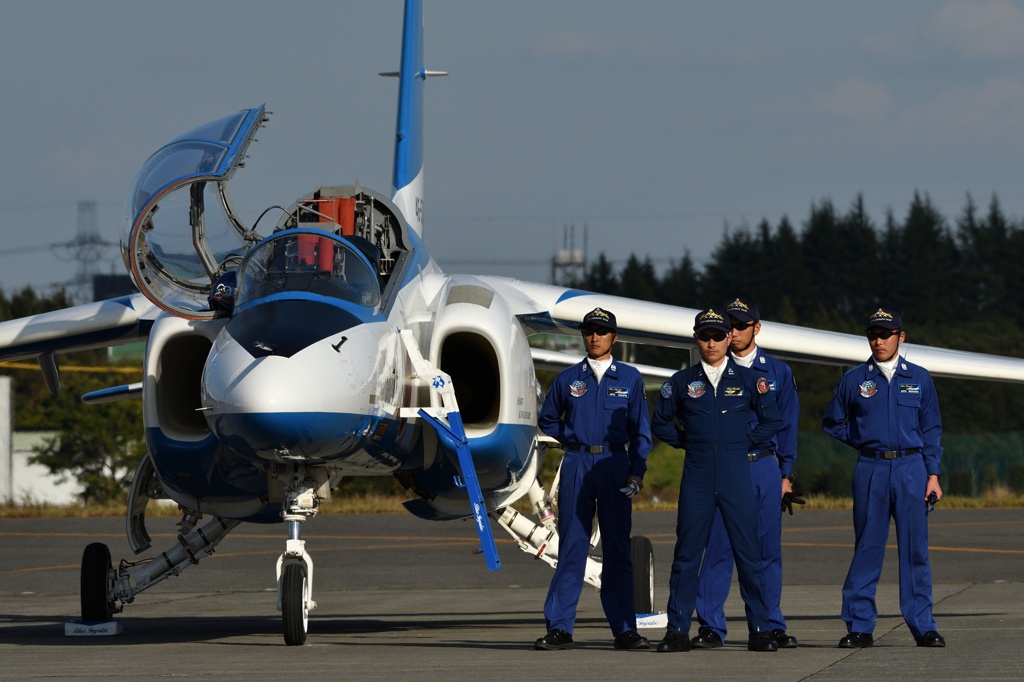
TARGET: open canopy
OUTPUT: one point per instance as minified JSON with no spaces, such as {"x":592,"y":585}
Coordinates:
{"x":179,"y":230}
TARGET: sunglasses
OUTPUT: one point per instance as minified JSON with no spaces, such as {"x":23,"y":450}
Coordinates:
{"x":711,"y":336}
{"x":600,"y":331}
{"x":884,"y":334}
{"x":740,"y":326}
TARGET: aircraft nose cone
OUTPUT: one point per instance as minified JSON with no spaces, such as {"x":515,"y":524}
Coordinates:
{"x":310,"y":405}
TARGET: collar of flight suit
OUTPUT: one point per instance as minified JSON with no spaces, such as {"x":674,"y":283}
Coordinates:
{"x":873,"y":370}
{"x":586,"y":370}
{"x":760,"y":360}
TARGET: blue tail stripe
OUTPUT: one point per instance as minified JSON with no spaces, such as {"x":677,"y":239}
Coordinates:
{"x":409,"y":128}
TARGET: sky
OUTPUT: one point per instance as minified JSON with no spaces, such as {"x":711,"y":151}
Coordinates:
{"x":657,"y":124}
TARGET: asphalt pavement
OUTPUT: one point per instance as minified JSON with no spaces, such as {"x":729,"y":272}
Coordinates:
{"x":404,"y":597}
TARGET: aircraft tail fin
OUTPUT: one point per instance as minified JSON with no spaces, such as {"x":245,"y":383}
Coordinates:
{"x":407,"y":177}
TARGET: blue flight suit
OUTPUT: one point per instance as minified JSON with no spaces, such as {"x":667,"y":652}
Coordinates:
{"x":774,"y":461}
{"x":583,"y":414}
{"x":901,"y":417}
{"x":714,"y":429}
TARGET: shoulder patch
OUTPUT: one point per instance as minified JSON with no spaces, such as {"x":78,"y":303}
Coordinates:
{"x":762,"y":386}
{"x":666,"y":390}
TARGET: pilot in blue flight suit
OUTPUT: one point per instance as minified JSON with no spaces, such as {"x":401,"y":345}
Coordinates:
{"x":887,"y":410}
{"x":597,"y":410}
{"x":715,"y":402}
{"x":772,"y":473}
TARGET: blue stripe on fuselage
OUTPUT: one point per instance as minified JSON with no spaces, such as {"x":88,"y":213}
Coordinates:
{"x":288,"y":323}
{"x":360,"y":441}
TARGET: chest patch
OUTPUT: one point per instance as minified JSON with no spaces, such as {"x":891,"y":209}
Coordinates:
{"x":868,"y":389}
{"x":762,"y":385}
{"x":618,"y":392}
{"x":695,"y":389}
{"x":910,"y":389}
{"x":733,"y":391}
{"x":578,"y":389}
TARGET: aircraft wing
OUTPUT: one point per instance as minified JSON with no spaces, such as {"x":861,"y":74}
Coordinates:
{"x":554,"y":360}
{"x":93,"y":325}
{"x":553,"y":309}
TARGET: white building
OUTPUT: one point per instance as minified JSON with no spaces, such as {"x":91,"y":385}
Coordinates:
{"x":23,"y":483}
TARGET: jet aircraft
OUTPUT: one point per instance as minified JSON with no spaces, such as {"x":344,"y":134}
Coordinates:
{"x":324,"y":341}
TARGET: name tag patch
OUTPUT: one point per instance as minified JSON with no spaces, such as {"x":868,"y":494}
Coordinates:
{"x":618,"y":392}
{"x":910,"y":389}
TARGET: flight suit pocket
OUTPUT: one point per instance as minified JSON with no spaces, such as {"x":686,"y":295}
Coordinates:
{"x":908,"y":400}
{"x":616,"y":398}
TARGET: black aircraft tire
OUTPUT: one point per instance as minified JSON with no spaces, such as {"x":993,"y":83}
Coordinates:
{"x":294,"y":595}
{"x":97,"y":578}
{"x":643,"y":573}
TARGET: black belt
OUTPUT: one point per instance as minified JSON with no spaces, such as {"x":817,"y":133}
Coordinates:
{"x":597,"y":449}
{"x":754,"y":456}
{"x":889,"y":454}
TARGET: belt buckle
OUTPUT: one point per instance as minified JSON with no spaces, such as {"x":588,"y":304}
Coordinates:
{"x":890,"y":454}
{"x":596,"y":449}
{"x":751,"y":456}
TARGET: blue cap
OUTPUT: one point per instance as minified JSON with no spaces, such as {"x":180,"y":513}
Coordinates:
{"x":710,"y":319}
{"x":744,"y":311}
{"x":599,"y":317}
{"x":886,"y":319}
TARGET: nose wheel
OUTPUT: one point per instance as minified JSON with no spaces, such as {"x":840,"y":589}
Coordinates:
{"x":295,"y":601}
{"x":295,"y":566}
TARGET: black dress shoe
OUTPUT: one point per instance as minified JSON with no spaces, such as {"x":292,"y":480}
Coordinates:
{"x":931,"y":638}
{"x":674,"y":641}
{"x":631,"y":639}
{"x":761,"y":641}
{"x":706,"y":639}
{"x":554,"y":640}
{"x":783,"y":640}
{"x":856,"y":640}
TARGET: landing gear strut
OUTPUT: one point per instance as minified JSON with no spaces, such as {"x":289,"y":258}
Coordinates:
{"x":295,"y":566}
{"x":103,"y":586}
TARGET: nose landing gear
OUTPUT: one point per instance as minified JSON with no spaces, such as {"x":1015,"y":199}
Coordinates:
{"x":295,"y":566}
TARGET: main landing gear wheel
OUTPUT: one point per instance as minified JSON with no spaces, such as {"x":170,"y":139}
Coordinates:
{"x":295,"y":604}
{"x":643,"y":573}
{"x":97,"y":583}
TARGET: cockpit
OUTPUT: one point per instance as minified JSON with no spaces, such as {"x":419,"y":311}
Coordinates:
{"x":310,"y":261}
{"x":182,"y":239}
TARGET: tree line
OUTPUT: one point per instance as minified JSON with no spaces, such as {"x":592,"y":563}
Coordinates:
{"x":955,"y":282}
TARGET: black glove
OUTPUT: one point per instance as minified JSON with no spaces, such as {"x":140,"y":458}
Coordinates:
{"x":929,"y":504}
{"x":789,"y":499}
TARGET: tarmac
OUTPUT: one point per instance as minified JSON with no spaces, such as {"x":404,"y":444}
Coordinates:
{"x":402,"y":597}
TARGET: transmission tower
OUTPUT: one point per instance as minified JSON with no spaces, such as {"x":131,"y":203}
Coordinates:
{"x":86,"y":250}
{"x":569,"y":264}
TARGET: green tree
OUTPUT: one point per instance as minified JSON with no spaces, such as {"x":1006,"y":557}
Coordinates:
{"x":99,"y":446}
